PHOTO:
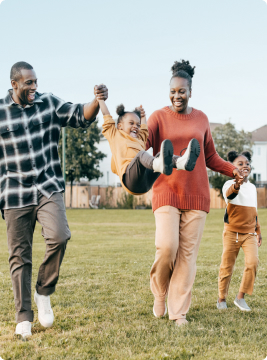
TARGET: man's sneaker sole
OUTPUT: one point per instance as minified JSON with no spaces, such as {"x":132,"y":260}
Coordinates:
{"x":167,"y":150}
{"x":240,"y":307}
{"x":194,"y":149}
{"x":22,"y":338}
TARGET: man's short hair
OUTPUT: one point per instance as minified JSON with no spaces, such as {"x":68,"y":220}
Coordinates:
{"x":15,"y":72}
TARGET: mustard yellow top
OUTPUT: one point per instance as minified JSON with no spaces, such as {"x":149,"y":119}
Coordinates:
{"x":123,"y":146}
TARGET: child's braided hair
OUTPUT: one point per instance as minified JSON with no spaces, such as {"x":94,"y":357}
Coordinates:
{"x":121,"y":112}
{"x":232,"y":155}
{"x":184,"y":70}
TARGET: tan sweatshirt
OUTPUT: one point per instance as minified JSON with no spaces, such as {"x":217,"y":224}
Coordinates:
{"x":241,"y":212}
{"x":123,"y":146}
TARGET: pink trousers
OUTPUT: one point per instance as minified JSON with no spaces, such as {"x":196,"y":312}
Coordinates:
{"x":178,"y":235}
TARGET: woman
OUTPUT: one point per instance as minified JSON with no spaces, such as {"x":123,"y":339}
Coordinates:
{"x":180,"y":201}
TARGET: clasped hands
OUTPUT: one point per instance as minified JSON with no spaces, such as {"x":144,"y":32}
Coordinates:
{"x":101,"y":92}
{"x":239,"y":178}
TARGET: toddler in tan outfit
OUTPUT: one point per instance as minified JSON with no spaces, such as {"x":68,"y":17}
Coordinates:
{"x":137,"y":169}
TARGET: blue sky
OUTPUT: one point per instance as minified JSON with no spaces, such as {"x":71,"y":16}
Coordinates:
{"x":131,"y":45}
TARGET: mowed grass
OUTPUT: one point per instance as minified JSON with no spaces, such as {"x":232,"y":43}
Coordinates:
{"x":103,"y":304}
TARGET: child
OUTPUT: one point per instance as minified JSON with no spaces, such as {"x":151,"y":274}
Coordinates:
{"x":136,"y":168}
{"x":240,"y":224}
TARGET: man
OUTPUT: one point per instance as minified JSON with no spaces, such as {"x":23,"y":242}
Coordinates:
{"x":32,"y":185}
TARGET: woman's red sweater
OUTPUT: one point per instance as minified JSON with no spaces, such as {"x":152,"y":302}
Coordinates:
{"x":184,"y":189}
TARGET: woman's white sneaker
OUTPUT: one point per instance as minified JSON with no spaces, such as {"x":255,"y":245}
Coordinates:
{"x":188,"y":160}
{"x":23,"y":329}
{"x":45,"y":312}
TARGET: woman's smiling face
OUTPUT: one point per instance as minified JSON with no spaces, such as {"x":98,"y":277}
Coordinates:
{"x":179,"y":94}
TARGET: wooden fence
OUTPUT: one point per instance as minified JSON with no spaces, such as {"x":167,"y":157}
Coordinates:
{"x":109,"y":196}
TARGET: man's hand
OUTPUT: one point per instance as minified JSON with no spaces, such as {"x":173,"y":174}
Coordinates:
{"x":259,"y":240}
{"x":238,"y":176}
{"x":101,"y":92}
{"x":90,"y":110}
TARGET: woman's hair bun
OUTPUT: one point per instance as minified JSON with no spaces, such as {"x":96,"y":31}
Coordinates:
{"x":247,"y":154}
{"x":183,"y":65}
{"x":120,"y":110}
{"x":232,"y":155}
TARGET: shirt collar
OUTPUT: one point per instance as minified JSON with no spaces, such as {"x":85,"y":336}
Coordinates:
{"x":10,"y":102}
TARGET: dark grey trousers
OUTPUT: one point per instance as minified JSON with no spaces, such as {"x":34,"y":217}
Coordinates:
{"x":51,"y":214}
{"x":139,"y":176}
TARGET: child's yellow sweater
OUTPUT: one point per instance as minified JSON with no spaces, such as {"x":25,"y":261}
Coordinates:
{"x":123,"y":146}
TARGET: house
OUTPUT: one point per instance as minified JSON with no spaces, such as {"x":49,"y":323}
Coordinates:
{"x":259,"y":159}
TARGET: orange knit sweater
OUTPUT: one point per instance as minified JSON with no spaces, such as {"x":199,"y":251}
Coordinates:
{"x":184,"y":189}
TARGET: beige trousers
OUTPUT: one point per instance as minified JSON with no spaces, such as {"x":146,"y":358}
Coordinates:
{"x":178,"y":235}
{"x":232,"y":242}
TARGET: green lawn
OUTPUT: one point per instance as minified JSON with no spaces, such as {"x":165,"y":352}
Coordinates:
{"x":103,"y":303}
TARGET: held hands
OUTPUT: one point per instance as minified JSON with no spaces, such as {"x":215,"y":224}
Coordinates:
{"x":239,"y":178}
{"x":101,"y":95}
{"x":143,"y":114}
{"x":237,"y":184}
{"x":101,"y":92}
{"x":259,"y":240}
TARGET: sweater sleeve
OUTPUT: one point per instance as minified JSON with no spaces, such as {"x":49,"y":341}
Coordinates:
{"x":109,"y":128}
{"x":143,"y":134}
{"x":152,"y":124}
{"x":213,"y":160}
{"x":230,"y":193}
{"x":258,"y":227}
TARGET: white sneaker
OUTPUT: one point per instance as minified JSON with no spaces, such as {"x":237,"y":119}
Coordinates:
{"x":158,"y":316}
{"x":241,"y":303}
{"x":23,"y":329}
{"x":45,"y":312}
{"x":159,"y":306}
{"x":188,"y":160}
{"x":163,"y":163}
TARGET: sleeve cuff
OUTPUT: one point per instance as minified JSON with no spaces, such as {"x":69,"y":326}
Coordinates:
{"x":228,"y":169}
{"x":234,"y":190}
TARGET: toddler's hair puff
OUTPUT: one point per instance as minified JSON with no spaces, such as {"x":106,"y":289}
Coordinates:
{"x":232,"y":155}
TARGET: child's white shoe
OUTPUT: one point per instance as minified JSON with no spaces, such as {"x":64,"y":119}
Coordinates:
{"x":188,"y":160}
{"x":241,"y":303}
{"x":23,"y":329}
{"x":163,"y":163}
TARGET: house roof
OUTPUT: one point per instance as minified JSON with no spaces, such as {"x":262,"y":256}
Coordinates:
{"x":260,"y":134}
{"x":214,"y":125}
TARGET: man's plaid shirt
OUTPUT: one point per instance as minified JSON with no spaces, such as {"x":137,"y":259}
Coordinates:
{"x":29,"y":147}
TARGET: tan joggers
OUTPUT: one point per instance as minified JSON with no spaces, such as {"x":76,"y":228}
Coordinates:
{"x":232,"y":242}
{"x":178,"y":235}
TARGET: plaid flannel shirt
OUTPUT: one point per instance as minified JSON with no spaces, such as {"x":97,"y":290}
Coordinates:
{"x":29,"y":147}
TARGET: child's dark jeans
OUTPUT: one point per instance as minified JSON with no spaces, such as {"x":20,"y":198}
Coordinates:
{"x":139,"y":176}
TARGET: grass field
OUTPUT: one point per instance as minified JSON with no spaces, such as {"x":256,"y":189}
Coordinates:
{"x":103,"y":304}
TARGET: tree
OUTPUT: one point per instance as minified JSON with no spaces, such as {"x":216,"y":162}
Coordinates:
{"x":227,"y":138}
{"x":82,"y":156}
